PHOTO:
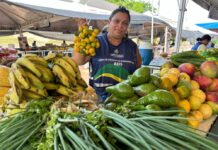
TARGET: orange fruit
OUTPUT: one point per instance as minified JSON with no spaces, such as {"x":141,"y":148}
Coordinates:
{"x":195,"y":102}
{"x":163,"y":71}
{"x":198,"y":115}
{"x":193,"y":122}
{"x":199,"y":93}
{"x":206,"y":110}
{"x":166,"y":84}
{"x":97,"y":44}
{"x":173,"y":78}
{"x":184,"y":104}
{"x":174,"y":71}
{"x":184,"y":76}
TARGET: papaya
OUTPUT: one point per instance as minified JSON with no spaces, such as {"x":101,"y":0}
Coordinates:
{"x":144,"y":89}
{"x":121,"y":90}
{"x":162,"y":98}
{"x":154,"y":79}
{"x":153,"y":107}
{"x":113,"y":99}
{"x":136,"y":107}
{"x":140,"y":76}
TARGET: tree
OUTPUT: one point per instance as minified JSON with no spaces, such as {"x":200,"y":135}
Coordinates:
{"x":137,"y":6}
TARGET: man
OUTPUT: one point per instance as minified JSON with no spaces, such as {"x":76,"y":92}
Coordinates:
{"x":116,"y":58}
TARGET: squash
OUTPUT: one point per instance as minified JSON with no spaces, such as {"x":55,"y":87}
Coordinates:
{"x":3,"y":91}
{"x":4,"y":75}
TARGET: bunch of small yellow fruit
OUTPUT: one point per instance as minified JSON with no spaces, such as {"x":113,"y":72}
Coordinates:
{"x":86,"y":42}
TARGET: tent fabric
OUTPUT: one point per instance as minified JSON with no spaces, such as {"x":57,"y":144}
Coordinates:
{"x":74,"y":9}
{"x":212,"y":25}
{"x":211,"y":6}
{"x":13,"y":17}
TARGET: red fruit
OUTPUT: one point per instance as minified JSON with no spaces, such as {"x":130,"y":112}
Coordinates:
{"x":212,"y":96}
{"x":213,"y":86}
{"x":209,"y":69}
{"x":203,"y":81}
{"x":187,"y":68}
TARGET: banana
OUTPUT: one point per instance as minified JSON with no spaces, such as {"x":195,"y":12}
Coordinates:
{"x":29,"y":65}
{"x":72,"y":80}
{"x":47,"y":74}
{"x":80,"y":88}
{"x":15,"y":84}
{"x":30,"y":95}
{"x":51,"y":86}
{"x":41,"y":92}
{"x":82,"y":83}
{"x":20,"y":75}
{"x":64,"y":64}
{"x":37,"y":59}
{"x":72,"y":63}
{"x":65,"y":91}
{"x":13,"y":96}
{"x":34,"y":80}
{"x":50,"y":56}
{"x":58,"y":71}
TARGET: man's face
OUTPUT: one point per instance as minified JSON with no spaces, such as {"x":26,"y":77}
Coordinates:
{"x":118,"y":25}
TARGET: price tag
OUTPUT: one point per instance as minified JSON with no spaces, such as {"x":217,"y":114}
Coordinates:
{"x":158,"y":62}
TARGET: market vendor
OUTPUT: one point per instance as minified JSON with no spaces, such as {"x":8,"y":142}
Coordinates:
{"x":116,"y":58}
{"x":202,"y":42}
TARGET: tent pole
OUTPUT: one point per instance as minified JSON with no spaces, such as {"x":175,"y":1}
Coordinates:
{"x":166,"y":40}
{"x":152,"y":24}
{"x":182,"y":9}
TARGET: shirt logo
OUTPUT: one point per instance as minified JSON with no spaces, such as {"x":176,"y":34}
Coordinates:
{"x":116,"y":51}
{"x":116,"y":54}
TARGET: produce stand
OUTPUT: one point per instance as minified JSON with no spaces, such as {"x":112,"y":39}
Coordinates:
{"x":45,"y":52}
{"x":69,"y":116}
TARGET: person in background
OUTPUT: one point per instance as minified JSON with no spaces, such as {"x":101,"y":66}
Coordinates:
{"x":34,"y":44}
{"x":202,"y":42}
{"x":116,"y":58}
{"x":64,"y":44}
{"x":34,"y":47}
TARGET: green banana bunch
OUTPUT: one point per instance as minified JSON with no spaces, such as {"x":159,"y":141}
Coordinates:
{"x":29,"y":65}
{"x":47,"y":74}
{"x":72,"y":63}
{"x":34,"y":80}
{"x":82,"y":83}
{"x":64,"y":64}
{"x":30,"y":95}
{"x":15,"y":93}
{"x":50,"y":56}
{"x":41,"y":92}
{"x":51,"y":86}
{"x":20,"y":75}
{"x":36,"y":59}
{"x":65,"y":91}
{"x":59,"y":72}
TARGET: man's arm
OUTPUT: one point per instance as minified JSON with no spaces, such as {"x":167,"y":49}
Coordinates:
{"x":139,"y":59}
{"x":80,"y":59}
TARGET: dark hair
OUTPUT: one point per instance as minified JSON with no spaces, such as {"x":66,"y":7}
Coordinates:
{"x":120,"y":9}
{"x":204,"y":37}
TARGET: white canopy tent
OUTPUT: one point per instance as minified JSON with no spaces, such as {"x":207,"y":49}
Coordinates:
{"x":74,"y":9}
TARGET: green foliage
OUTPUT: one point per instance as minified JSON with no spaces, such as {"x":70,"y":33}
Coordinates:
{"x":137,"y":6}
